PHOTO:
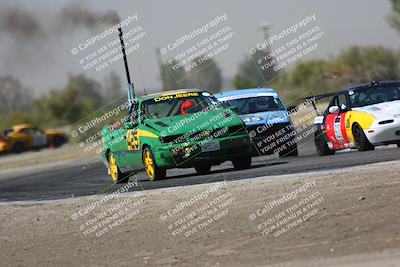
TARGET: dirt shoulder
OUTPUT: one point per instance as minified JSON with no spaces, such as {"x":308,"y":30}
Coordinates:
{"x":44,"y":156}
{"x":347,"y":217}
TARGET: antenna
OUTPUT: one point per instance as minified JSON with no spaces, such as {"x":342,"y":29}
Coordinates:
{"x":141,"y":75}
{"x":130,"y":86}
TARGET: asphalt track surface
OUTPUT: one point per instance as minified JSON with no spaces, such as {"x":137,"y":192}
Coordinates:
{"x":78,"y":179}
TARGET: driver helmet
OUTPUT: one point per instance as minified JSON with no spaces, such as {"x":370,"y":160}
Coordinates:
{"x":186,"y":105}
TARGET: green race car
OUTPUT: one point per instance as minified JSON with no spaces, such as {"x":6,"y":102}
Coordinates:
{"x":175,"y":129}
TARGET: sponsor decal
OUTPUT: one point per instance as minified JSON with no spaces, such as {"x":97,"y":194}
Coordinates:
{"x":175,"y":96}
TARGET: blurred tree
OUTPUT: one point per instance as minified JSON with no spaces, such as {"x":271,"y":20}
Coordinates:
{"x":352,"y":66}
{"x":394,"y":17}
{"x":78,"y":99}
{"x":240,"y":82}
{"x":112,"y":89}
{"x":86,"y":88}
{"x":206,"y":75}
{"x":172,"y":76}
{"x":13,"y":97}
{"x":369,"y":63}
{"x":258,"y":74}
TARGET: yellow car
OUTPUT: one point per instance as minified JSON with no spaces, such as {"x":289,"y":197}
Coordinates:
{"x":27,"y":137}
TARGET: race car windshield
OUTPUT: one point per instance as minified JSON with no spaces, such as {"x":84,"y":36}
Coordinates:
{"x":373,"y":95}
{"x":256,"y":104}
{"x":155,"y":108}
{"x":8,"y":132}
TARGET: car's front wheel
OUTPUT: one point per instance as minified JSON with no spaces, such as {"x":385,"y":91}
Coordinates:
{"x":153,"y":171}
{"x":18,"y":147}
{"x":321,"y":144}
{"x":203,"y":169}
{"x":362,"y":142}
{"x":242,"y":163}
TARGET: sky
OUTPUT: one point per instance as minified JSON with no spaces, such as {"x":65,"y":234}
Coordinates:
{"x":44,"y":62}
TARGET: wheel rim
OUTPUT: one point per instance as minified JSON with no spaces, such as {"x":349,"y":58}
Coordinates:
{"x":149,"y":164}
{"x":113,"y":168}
{"x":357,"y":135}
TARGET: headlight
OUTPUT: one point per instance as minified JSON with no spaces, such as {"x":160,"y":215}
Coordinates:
{"x":251,"y":119}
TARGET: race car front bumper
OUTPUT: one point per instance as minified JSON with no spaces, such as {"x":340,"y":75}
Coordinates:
{"x":387,"y":133}
{"x":191,"y":154}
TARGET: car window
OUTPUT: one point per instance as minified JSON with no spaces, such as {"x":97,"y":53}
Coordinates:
{"x":176,"y":106}
{"x":8,"y":132}
{"x":342,"y":100}
{"x":256,"y":104}
{"x":373,"y":95}
{"x":27,"y":131}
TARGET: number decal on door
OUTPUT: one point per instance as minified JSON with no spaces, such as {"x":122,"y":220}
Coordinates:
{"x":132,"y":140}
{"x":338,"y":128}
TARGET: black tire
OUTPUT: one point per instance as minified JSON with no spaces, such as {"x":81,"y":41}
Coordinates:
{"x":157,"y":173}
{"x":398,"y":145}
{"x":118,"y":177}
{"x":203,"y":169}
{"x":290,"y":152}
{"x":57,"y":141}
{"x":361,"y":140}
{"x":321,"y":144}
{"x":242,"y":163}
{"x":18,"y":147}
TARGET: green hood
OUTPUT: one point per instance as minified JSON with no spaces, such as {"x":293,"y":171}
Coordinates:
{"x":201,"y":121}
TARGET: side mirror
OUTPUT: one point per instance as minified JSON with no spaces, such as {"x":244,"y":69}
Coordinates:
{"x":344,"y":108}
{"x":334,"y":110}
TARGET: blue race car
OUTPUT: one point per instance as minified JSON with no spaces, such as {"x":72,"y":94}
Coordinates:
{"x":266,"y":118}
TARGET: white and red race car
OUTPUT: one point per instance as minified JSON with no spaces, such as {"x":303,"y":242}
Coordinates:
{"x":359,"y":117}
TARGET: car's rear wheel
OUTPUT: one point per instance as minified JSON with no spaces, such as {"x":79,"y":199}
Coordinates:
{"x":153,"y":171}
{"x":57,"y":141}
{"x":203,"y":169}
{"x":398,"y":145}
{"x":116,"y":175}
{"x":321,"y":144}
{"x":18,"y":147}
{"x":242,"y":163}
{"x":361,"y":140}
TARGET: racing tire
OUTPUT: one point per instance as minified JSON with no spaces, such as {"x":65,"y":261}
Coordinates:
{"x":18,"y":147}
{"x":117,"y":176}
{"x":290,"y":152}
{"x":321,"y":144}
{"x":361,"y":140}
{"x":57,"y":141}
{"x":152,"y":170}
{"x":242,"y":163}
{"x":203,"y":169}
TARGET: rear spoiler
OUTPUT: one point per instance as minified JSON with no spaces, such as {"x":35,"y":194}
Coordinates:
{"x":313,"y":100}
